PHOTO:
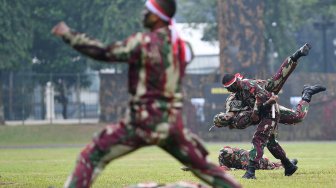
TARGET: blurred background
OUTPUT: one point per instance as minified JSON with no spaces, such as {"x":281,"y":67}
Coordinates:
{"x":45,"y":81}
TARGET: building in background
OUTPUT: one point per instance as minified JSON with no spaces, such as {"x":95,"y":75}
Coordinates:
{"x":206,"y":59}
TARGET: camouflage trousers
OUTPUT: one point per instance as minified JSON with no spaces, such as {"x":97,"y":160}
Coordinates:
{"x":239,"y":159}
{"x":265,"y":134}
{"x":276,"y":82}
{"x":293,"y":116}
{"x":145,"y":128}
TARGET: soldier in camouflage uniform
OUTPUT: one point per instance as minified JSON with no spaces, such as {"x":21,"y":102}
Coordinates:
{"x":257,"y":97}
{"x":238,"y":117}
{"x":238,"y":114}
{"x":157,"y":61}
{"x":238,"y":158}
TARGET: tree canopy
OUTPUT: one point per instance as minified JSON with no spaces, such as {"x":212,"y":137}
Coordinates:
{"x":25,"y":32}
{"x":105,"y":20}
{"x":15,"y":35}
{"x":288,"y":25}
{"x":25,"y":27}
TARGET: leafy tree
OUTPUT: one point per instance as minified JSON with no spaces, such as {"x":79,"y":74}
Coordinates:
{"x":25,"y":34}
{"x":16,"y":40}
{"x":53,"y":56}
{"x":199,"y":12}
{"x":92,"y":17}
{"x":289,"y":24}
{"x":105,"y":20}
{"x":318,"y":27}
{"x":116,"y":21}
{"x":15,"y":35}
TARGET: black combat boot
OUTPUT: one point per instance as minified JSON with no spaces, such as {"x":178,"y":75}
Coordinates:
{"x":309,"y":91}
{"x":250,"y":173}
{"x":303,"y":51}
{"x":290,"y":168}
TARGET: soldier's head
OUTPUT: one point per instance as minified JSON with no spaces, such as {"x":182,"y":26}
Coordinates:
{"x":227,"y":150}
{"x":158,"y":12}
{"x":225,"y":155}
{"x":229,"y":81}
{"x":223,"y":119}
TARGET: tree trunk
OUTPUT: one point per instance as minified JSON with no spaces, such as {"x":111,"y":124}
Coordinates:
{"x":242,"y":44}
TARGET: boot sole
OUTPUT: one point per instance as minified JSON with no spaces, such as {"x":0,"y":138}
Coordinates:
{"x":289,"y":174}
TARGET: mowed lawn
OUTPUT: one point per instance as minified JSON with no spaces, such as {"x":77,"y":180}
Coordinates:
{"x":55,"y":148}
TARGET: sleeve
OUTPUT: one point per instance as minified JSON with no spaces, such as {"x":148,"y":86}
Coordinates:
{"x":120,"y":51}
{"x":228,"y":102}
{"x":232,"y":104}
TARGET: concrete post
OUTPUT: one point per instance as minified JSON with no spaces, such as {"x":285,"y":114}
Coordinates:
{"x":49,"y":101}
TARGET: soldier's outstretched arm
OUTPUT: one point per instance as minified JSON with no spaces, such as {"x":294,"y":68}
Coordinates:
{"x":118,"y":51}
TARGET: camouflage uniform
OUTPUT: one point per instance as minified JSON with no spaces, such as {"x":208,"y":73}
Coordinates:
{"x":250,"y":97}
{"x":155,"y":115}
{"x":252,"y":94}
{"x":239,"y":159}
{"x":243,"y":118}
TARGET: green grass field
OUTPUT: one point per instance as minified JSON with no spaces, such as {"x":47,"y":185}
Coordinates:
{"x":55,"y":149}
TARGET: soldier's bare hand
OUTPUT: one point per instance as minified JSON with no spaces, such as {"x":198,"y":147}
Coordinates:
{"x":60,"y":29}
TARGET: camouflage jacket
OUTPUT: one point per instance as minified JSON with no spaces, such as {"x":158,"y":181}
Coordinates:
{"x":239,"y":159}
{"x":251,"y":95}
{"x":242,"y":120}
{"x":155,"y":73}
{"x":233,"y":157}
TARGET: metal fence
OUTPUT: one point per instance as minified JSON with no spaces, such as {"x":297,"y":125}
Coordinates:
{"x":50,"y":97}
